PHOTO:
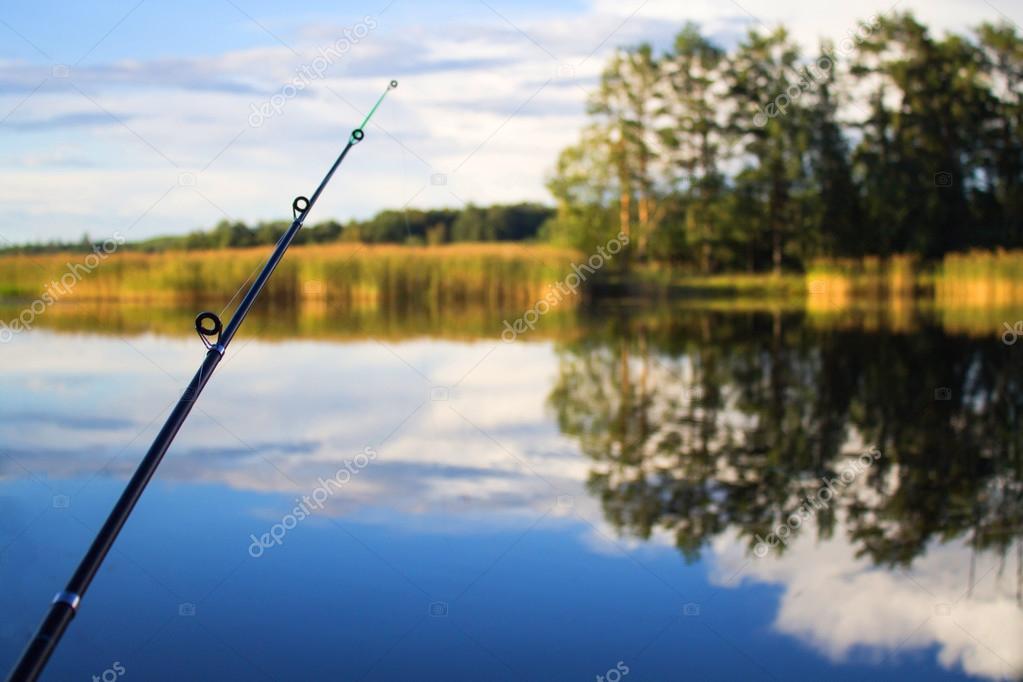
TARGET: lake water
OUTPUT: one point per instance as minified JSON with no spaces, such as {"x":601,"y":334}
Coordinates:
{"x":642,"y":495}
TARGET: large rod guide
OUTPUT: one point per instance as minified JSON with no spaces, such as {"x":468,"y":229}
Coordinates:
{"x":216,"y":337}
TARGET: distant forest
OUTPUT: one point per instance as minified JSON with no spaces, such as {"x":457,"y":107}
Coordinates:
{"x":498,"y":223}
{"x":887,"y":140}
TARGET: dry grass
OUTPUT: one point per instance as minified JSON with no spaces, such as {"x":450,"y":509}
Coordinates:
{"x":497,"y":274}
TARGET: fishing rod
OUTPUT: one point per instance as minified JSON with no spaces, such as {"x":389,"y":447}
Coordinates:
{"x":216,"y":338}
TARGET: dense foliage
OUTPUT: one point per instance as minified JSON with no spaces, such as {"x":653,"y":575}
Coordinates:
{"x":891,"y":140}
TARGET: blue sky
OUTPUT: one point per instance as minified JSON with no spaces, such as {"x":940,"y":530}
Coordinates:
{"x":138,"y":117}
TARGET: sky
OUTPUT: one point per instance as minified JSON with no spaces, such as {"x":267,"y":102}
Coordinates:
{"x":147,"y":117}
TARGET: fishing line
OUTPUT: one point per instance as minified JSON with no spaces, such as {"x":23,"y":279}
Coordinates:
{"x":390,"y":86}
{"x":405,"y":184}
{"x":248,"y":279}
{"x":244,"y":284}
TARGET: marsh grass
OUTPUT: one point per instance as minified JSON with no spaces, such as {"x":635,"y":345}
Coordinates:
{"x":495,"y":274}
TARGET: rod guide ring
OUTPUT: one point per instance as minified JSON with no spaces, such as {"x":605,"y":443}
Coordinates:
{"x":299,"y":205}
{"x":208,"y":326}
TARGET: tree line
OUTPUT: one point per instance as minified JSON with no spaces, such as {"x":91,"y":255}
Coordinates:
{"x":496,"y":223}
{"x":890,"y":140}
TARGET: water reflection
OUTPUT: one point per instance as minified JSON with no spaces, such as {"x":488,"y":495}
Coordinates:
{"x":699,"y":431}
{"x":716,"y":429}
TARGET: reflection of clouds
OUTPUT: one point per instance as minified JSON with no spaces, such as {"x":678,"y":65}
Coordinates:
{"x":278,"y":416}
{"x":838,"y":602}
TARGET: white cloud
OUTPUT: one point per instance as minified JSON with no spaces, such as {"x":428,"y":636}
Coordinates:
{"x":837,"y":602}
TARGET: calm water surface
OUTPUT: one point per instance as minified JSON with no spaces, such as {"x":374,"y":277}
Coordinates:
{"x":637,"y":496}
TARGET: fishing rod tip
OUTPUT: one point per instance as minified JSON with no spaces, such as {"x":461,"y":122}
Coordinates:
{"x":392,"y":85}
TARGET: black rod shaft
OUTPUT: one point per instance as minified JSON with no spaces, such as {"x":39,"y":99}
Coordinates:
{"x":39,"y":650}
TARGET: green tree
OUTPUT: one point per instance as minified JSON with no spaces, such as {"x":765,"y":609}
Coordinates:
{"x":584,"y":188}
{"x":922,"y":139}
{"x":835,"y":214}
{"x":1002,"y":161}
{"x":625,"y":106}
{"x":695,"y":140}
{"x":231,"y":234}
{"x":769,"y":118}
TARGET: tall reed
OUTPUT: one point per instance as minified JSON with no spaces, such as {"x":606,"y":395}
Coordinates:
{"x":494,"y":274}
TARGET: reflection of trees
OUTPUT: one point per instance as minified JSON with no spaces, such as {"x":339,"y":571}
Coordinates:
{"x":709,"y":421}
